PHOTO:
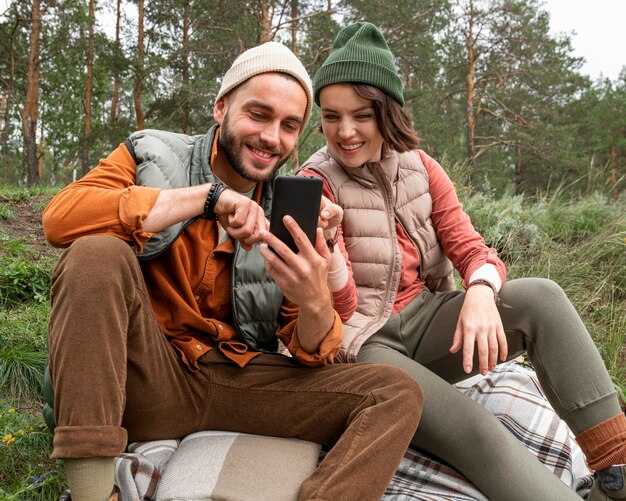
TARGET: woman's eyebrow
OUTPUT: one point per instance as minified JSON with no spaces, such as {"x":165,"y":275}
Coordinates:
{"x":360,"y":108}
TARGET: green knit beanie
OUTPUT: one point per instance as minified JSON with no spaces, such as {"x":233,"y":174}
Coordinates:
{"x":360,"y":55}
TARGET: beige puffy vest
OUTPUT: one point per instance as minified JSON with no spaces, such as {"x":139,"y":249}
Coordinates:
{"x":373,"y":198}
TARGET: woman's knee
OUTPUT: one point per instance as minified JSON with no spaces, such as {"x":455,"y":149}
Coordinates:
{"x":530,"y":293}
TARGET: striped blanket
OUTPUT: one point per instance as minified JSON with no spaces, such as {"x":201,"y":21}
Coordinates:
{"x":511,"y":392}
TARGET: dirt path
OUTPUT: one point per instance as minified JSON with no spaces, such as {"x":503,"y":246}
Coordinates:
{"x":22,"y":221}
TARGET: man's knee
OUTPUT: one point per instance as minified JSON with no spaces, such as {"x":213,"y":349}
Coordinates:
{"x":96,"y":252}
{"x":99,"y":247}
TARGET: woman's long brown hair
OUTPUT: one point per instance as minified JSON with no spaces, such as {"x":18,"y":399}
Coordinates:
{"x":393,"y":123}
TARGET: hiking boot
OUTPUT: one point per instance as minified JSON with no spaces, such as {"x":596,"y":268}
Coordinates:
{"x":609,"y":485}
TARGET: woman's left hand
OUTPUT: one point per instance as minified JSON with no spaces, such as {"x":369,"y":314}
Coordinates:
{"x":480,"y":323}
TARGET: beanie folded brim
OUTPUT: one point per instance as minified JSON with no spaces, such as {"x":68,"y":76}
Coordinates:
{"x":270,"y":57}
{"x":355,"y":71}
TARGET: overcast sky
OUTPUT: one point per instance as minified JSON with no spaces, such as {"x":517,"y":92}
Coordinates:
{"x":599,"y":32}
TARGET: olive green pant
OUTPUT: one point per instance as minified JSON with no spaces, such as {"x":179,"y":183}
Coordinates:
{"x":538,"y":319}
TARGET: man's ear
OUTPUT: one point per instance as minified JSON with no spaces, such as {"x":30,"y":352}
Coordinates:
{"x":219,"y":110}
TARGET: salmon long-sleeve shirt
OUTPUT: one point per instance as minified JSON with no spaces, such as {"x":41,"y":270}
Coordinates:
{"x":190,"y":283}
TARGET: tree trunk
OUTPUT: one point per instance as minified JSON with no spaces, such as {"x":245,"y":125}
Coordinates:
{"x":614,"y":190}
{"x":470,"y":89}
{"x":3,"y":107}
{"x":88,"y":91}
{"x":294,"y":48}
{"x":266,"y":23}
{"x":185,"y":108}
{"x":116,"y":80}
{"x":139,"y":70}
{"x":10,"y":95}
{"x":29,"y":114}
{"x":40,"y":156}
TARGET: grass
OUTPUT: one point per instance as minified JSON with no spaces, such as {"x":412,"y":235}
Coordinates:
{"x":26,"y":472}
{"x":581,"y":244}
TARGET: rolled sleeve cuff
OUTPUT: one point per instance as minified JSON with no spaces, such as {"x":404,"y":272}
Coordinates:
{"x":73,"y":442}
{"x":135,"y":205}
{"x":327,"y":350}
{"x":489,"y":273}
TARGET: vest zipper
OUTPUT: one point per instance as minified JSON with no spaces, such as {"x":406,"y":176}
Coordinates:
{"x":233,"y":305}
{"x":386,"y":191}
{"x":419,"y":251}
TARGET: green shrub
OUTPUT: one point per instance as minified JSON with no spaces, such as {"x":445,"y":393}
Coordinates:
{"x":21,"y":282}
{"x":507,"y":225}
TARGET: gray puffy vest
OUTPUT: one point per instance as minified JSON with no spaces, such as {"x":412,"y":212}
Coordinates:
{"x":168,"y":160}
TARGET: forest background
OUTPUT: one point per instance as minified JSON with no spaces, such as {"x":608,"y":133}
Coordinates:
{"x":537,"y":149}
{"x":486,"y":82}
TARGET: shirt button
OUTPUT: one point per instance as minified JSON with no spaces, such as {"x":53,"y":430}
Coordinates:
{"x":198,"y":347}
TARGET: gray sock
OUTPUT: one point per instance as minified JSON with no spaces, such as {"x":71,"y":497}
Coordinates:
{"x":612,"y":478}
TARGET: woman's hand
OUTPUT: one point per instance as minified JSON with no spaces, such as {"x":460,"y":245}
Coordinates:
{"x":479,"y":322}
{"x":330,"y":217}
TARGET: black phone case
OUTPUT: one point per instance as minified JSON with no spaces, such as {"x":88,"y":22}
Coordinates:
{"x":299,"y":197}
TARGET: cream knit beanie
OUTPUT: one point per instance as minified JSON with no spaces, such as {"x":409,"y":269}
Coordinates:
{"x":267,"y":58}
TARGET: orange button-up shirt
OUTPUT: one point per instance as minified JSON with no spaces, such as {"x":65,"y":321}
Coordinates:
{"x":190,"y":283}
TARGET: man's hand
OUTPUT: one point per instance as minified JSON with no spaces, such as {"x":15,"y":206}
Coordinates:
{"x":479,"y":322}
{"x":242,"y":218}
{"x":302,"y":278}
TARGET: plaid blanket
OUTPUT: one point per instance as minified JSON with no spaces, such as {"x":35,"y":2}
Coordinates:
{"x":511,"y":392}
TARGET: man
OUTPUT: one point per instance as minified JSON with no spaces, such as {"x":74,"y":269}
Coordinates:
{"x":184,"y":339}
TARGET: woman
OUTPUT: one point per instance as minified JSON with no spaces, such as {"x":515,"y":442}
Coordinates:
{"x":404,"y":229}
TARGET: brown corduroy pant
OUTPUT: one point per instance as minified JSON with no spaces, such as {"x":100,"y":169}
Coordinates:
{"x":116,"y":379}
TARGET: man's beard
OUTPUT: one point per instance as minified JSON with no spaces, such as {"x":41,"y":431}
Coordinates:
{"x":233,"y":153}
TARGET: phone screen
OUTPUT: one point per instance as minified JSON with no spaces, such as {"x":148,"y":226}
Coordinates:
{"x":299,"y":197}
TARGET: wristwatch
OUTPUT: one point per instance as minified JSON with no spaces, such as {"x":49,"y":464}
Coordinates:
{"x":331,"y":242}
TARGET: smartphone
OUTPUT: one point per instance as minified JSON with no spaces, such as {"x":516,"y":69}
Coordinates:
{"x":299,"y":197}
